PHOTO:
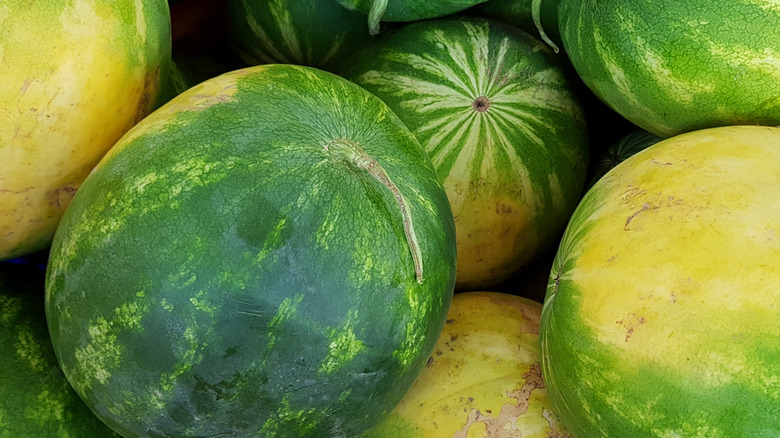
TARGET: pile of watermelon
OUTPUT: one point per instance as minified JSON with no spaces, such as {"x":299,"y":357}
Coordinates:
{"x":390,"y":218}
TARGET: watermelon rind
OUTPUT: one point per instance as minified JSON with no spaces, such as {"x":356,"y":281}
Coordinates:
{"x":242,"y":263}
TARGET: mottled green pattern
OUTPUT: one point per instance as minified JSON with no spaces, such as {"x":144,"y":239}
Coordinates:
{"x":316,"y":33}
{"x":35,"y":398}
{"x":242,"y":277}
{"x":676,"y":66}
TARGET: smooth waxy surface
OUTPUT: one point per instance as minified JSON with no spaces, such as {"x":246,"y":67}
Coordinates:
{"x":235,"y":266}
{"x":496,"y":114}
{"x":76,"y":76}
{"x":483,"y":379}
{"x":35,"y":398}
{"x":672,"y":66}
{"x":661,"y":311}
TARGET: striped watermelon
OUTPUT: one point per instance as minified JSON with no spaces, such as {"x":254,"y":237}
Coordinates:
{"x":483,"y":379}
{"x":676,"y":66}
{"x":520,"y":13}
{"x":76,"y":75}
{"x":626,"y":146}
{"x":316,"y":33}
{"x":498,"y":117}
{"x":35,"y":398}
{"x":181,"y":76}
{"x":405,"y":10}
{"x":268,"y":254}
{"x":662,"y":308}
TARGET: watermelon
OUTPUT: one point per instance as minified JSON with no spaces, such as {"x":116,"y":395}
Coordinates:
{"x":35,"y":398}
{"x":316,"y":33}
{"x":629,"y":144}
{"x":181,"y":76}
{"x":268,"y":254}
{"x":501,"y":122}
{"x":484,"y":378}
{"x":676,"y":66}
{"x":520,"y":13}
{"x":76,"y":76}
{"x":661,"y":312}
{"x":405,"y":10}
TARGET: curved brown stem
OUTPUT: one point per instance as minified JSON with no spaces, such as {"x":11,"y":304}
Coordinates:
{"x":356,"y":156}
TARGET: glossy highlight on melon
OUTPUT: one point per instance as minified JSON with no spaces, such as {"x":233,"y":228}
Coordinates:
{"x":661,"y":311}
{"x":270,"y":253}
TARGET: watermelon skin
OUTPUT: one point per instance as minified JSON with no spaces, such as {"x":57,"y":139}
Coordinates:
{"x":76,"y":76}
{"x":671,"y":67}
{"x":625,"y":146}
{"x":181,"y":76}
{"x":314,"y":33}
{"x":483,"y":379}
{"x":222,"y":272}
{"x":501,"y":122}
{"x":35,"y":398}
{"x":405,"y":10}
{"x":519,"y":13}
{"x":410,"y":10}
{"x":661,"y":311}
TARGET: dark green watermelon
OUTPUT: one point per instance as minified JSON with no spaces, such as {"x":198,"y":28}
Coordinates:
{"x":315,"y":33}
{"x":268,"y":254}
{"x":405,"y":10}
{"x":626,"y":146}
{"x":35,"y":398}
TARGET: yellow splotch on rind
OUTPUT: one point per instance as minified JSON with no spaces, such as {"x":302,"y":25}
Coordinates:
{"x":29,"y":349}
{"x":101,"y":354}
{"x":286,"y":310}
{"x":721,"y":203}
{"x":216,"y":90}
{"x":670,"y":266}
{"x":344,"y":345}
{"x":68,"y":93}
{"x":113,"y":211}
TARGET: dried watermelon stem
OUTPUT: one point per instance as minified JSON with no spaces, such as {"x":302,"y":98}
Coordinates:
{"x":536,"y":14}
{"x":353,"y":154}
{"x":375,"y":13}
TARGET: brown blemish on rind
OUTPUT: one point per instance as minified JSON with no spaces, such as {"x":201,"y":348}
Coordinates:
{"x":630,"y":326}
{"x":207,"y":100}
{"x":645,"y":207}
{"x":61,"y":197}
{"x":510,"y":412}
{"x":150,"y":87}
{"x":481,"y":104}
